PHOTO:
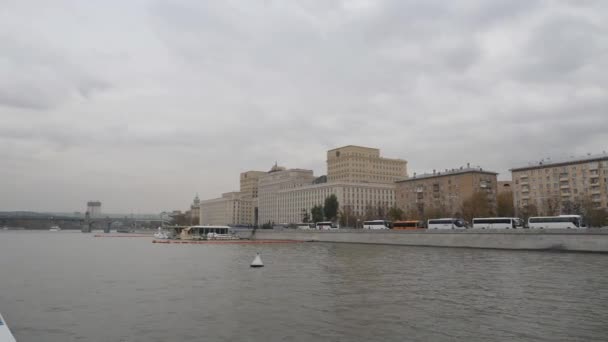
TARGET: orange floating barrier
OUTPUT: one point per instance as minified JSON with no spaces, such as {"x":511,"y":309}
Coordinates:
{"x":225,"y":242}
{"x":123,"y":235}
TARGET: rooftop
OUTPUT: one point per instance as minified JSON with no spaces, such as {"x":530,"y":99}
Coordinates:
{"x":449,"y":172}
{"x":561,"y":161}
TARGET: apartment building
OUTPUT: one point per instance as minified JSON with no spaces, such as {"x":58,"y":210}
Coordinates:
{"x":553,"y":186}
{"x":358,"y":164}
{"x":444,"y":191}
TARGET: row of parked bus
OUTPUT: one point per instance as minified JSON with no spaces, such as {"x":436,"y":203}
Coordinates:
{"x":538,"y":222}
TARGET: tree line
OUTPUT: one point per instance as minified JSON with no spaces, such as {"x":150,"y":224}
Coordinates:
{"x":479,"y":204}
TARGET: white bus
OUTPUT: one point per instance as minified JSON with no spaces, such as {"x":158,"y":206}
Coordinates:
{"x":377,"y":224}
{"x":446,"y":223}
{"x":302,"y":226}
{"x":326,"y":225}
{"x":496,"y":223}
{"x":556,"y":222}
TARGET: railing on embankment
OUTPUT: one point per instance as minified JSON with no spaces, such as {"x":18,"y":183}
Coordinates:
{"x":583,"y":240}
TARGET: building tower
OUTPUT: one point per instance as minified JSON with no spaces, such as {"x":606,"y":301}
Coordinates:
{"x":94,"y":209}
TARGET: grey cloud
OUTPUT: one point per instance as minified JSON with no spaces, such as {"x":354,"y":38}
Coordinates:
{"x":561,"y":46}
{"x":36,"y":76}
{"x":191,"y":93}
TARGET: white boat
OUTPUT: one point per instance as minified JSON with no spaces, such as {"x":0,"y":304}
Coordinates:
{"x":5,"y":333}
{"x":55,"y":229}
{"x":161,"y":234}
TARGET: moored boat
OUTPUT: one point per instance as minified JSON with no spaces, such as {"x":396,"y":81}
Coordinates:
{"x":55,"y":229}
{"x":5,"y":333}
{"x":207,"y":233}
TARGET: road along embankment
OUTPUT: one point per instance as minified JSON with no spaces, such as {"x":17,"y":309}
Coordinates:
{"x":587,"y":240}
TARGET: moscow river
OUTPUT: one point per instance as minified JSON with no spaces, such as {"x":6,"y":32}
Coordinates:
{"x":69,"y":286}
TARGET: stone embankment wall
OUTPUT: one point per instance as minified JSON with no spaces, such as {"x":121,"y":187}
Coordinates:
{"x":588,"y":240}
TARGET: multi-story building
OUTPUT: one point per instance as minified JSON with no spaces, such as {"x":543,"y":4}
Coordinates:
{"x":358,"y":198}
{"x":94,"y":208}
{"x":553,"y":186}
{"x":195,"y":210}
{"x":249,"y":195}
{"x":249,"y":183}
{"x":269,"y":186}
{"x":444,"y":192}
{"x":226,"y":210}
{"x":357,"y":164}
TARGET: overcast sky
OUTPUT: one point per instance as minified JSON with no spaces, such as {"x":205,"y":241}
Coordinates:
{"x":142,"y":104}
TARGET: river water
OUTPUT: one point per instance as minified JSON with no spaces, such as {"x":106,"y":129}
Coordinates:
{"x":69,"y":286}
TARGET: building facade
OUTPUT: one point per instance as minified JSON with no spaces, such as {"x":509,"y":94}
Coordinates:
{"x":443,"y":193}
{"x":94,"y":208}
{"x":359,"y":199}
{"x":555,"y":187}
{"x":357,"y":164}
{"x":226,"y":210}
{"x":249,"y":195}
{"x":269,"y":186}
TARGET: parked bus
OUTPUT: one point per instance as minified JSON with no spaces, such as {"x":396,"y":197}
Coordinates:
{"x":496,"y":223}
{"x":303,"y":226}
{"x":377,"y":224}
{"x":326,"y":225}
{"x":556,"y":222}
{"x":406,"y":225}
{"x":446,"y":223}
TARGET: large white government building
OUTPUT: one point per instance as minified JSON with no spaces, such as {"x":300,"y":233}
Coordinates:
{"x":359,"y":177}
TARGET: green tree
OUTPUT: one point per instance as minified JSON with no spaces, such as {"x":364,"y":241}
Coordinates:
{"x":330,"y":209}
{"x":305,"y":216}
{"x":395,"y":214}
{"x":317,"y":213}
{"x":504,"y":204}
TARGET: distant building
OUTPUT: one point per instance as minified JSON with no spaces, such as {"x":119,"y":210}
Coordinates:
{"x":249,"y":195}
{"x":276,"y":180}
{"x":225,"y":210}
{"x":359,"y":199}
{"x":444,"y":191}
{"x":94,"y":209}
{"x":554,"y":187}
{"x":504,"y":186}
{"x":358,"y":164}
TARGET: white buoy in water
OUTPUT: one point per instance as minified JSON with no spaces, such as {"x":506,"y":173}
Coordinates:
{"x":5,"y":333}
{"x":257,"y":261}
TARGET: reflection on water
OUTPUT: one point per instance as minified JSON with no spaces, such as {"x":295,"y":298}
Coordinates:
{"x":74,"y":287}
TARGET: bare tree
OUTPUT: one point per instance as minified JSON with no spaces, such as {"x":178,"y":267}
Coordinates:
{"x":504,"y":204}
{"x":477,"y":205}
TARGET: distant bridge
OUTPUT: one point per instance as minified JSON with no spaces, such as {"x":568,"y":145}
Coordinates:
{"x":85,"y":224}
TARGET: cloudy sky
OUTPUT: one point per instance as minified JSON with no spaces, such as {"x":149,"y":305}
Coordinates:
{"x":141,"y":104}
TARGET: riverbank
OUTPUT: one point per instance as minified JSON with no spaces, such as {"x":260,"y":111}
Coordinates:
{"x":588,"y":240}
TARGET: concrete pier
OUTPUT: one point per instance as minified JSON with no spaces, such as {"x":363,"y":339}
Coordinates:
{"x":587,"y":240}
